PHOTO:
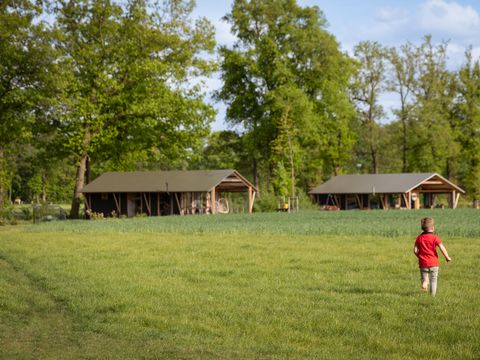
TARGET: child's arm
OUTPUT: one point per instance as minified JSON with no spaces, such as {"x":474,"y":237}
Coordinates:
{"x":444,"y":252}
{"x":415,"y":250}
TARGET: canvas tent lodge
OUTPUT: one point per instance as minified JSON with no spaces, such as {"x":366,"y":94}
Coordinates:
{"x":384,"y":191}
{"x":156,"y":193}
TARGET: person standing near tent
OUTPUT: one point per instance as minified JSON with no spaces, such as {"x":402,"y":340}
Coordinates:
{"x":425,"y":249}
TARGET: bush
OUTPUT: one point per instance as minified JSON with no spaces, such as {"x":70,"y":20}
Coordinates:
{"x":48,"y":213}
{"x":267,"y":202}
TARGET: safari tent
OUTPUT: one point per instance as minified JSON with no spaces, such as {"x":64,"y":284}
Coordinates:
{"x":156,"y":193}
{"x":385,"y":191}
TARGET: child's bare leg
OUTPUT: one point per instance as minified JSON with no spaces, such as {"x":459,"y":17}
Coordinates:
{"x":424,"y":275}
{"x":433,"y":280}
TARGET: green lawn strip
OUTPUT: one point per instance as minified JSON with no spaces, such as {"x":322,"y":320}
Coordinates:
{"x":238,"y":296}
{"x":449,"y":223}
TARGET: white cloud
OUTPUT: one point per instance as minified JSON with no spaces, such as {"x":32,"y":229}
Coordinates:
{"x":448,"y":17}
{"x":391,"y":15}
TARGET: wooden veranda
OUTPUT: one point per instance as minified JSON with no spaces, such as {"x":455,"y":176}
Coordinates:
{"x":165,"y":192}
{"x":386,"y":191}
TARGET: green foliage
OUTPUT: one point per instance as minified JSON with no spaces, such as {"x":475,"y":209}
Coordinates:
{"x":223,"y":150}
{"x":27,"y":74}
{"x":369,"y":84}
{"x":128,"y":72}
{"x":285,"y":81}
{"x":467,"y":121}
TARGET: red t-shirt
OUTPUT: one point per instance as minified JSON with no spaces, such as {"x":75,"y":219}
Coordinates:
{"x":426,"y":244}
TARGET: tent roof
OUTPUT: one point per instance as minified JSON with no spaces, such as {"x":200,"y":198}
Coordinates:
{"x":384,"y":184}
{"x":168,"y":181}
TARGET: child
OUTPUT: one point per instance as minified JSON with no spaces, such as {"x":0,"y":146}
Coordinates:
{"x":426,"y":250}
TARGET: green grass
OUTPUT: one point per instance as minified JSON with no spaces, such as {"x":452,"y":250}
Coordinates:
{"x":325,"y":286}
{"x":456,"y":223}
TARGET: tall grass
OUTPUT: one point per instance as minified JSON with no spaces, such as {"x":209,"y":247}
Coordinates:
{"x":449,"y":223}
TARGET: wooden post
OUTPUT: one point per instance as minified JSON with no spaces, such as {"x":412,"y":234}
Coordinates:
{"x":409,"y":204}
{"x":88,"y":201}
{"x":457,"y":197}
{"x":417,"y":201}
{"x":214,"y":202}
{"x":116,"y":203}
{"x":171,"y":204}
{"x":148,"y":205}
{"x":158,"y":204}
{"x":382,"y":200}
{"x":337,"y":202}
{"x":250,"y":203}
{"x":405,"y":199}
{"x":178,"y":203}
{"x":253,"y":201}
{"x":359,"y":202}
{"x":452,"y":200}
{"x":207,"y":202}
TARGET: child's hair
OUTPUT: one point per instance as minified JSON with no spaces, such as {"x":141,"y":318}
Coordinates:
{"x":427,"y":224}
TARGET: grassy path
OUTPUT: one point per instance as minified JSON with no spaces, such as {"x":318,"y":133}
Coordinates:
{"x":33,"y":324}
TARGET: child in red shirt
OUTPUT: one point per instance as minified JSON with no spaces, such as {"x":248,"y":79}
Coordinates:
{"x":426,"y":250}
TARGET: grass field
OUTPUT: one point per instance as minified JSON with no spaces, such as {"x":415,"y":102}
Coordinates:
{"x":339,"y":285}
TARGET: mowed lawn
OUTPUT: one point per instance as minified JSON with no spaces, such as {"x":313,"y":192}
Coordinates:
{"x":106,"y":294}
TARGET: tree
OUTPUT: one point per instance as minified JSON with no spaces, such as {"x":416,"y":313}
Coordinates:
{"x":467,"y":116}
{"x":369,"y":84}
{"x":432,"y":139}
{"x":282,"y":46}
{"x":127,"y":71}
{"x":222,"y":150}
{"x":26,"y":73}
{"x":402,"y":81}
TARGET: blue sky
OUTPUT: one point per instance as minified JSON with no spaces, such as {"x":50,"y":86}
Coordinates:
{"x":389,"y":22}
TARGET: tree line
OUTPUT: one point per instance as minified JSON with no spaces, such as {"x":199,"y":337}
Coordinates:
{"x":89,"y":86}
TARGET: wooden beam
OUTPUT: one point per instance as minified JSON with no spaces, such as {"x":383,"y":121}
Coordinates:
{"x":409,"y":204}
{"x":457,"y":197}
{"x":405,"y":199}
{"x":253,"y":200}
{"x":214,"y":202}
{"x":250,"y":204}
{"x":88,"y":202}
{"x":116,"y":203}
{"x":178,"y":204}
{"x":148,"y":205}
{"x":335,"y":197}
{"x":382,"y":200}
{"x":433,"y":182}
{"x":359,"y":201}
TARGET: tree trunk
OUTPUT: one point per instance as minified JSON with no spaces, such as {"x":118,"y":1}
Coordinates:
{"x":79,"y":182}
{"x":87,"y":171}
{"x":80,"y":177}
{"x":255,"y":173}
{"x":3,"y":177}
{"x":404,"y":139}
{"x":44,"y":188}
{"x":373,"y":153}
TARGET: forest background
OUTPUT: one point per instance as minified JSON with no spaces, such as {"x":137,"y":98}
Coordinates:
{"x":94,"y":86}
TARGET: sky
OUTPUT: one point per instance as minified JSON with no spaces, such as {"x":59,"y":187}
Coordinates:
{"x":390,"y":22}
